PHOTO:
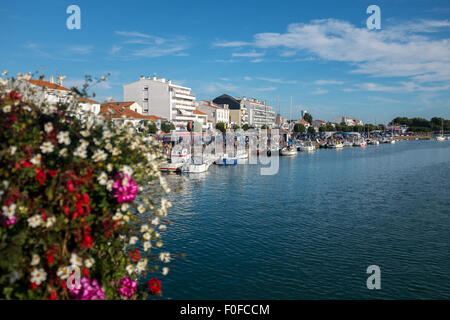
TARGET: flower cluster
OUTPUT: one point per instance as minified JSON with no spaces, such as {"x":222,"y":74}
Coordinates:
{"x":78,"y":195}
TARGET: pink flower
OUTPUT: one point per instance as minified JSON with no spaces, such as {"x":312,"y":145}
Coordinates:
{"x":127,"y":287}
{"x":124,"y":188}
{"x":9,"y":221}
{"x":87,"y":290}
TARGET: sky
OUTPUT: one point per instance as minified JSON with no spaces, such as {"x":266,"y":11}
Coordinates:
{"x":319,"y":52}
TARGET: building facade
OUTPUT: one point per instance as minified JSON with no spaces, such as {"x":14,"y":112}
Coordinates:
{"x":216,"y":113}
{"x":248,"y":111}
{"x":162,"y":98}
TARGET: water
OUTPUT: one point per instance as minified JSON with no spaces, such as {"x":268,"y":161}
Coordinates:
{"x":311,"y":231}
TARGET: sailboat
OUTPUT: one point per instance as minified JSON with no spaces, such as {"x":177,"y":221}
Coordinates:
{"x":441,"y":137}
{"x":289,"y":150}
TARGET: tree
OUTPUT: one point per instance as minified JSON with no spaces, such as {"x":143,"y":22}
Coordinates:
{"x":245,"y":127}
{"x":263,"y":127}
{"x":299,"y":128}
{"x":322,"y":128}
{"x":330,"y":127}
{"x":152,"y":127}
{"x":236,"y":127}
{"x":167,"y":127}
{"x":221,"y":126}
{"x":307,"y":117}
{"x":311,"y":129}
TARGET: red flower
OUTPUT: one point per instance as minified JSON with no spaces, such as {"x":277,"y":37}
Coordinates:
{"x":70,"y":187}
{"x":53,"y":173}
{"x":136,"y":255}
{"x":53,"y":295}
{"x":33,"y":285}
{"x":13,"y":95}
{"x":26,"y":164}
{"x":50,"y":258}
{"x":86,"y":272}
{"x":154,"y":285}
{"x":41,"y":176}
{"x":66,"y":210}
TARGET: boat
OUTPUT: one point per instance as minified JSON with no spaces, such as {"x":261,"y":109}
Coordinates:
{"x":306,"y":146}
{"x":226,"y":161}
{"x":374,"y":142}
{"x":197,"y":165}
{"x":241,"y":154}
{"x":348,"y":144}
{"x":441,"y":137}
{"x":178,"y":157}
{"x":336,"y":145}
{"x":360,"y":143}
{"x":288,"y":151}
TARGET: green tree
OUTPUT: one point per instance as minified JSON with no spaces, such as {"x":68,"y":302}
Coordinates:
{"x":299,"y":128}
{"x":245,"y":127}
{"x":311,"y":129}
{"x":221,"y":126}
{"x":236,"y":127}
{"x":307,"y":117}
{"x":330,"y":127}
{"x":264,"y":127}
{"x":152,"y":127}
{"x":167,"y":127}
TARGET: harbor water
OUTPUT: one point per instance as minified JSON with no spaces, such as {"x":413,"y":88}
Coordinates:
{"x":311,"y":230}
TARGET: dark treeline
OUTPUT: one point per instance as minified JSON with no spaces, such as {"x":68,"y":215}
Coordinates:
{"x":423,"y":125}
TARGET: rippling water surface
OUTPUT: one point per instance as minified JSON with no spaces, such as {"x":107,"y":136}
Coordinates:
{"x":310,"y":231}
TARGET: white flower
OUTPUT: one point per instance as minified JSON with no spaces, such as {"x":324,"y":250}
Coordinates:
{"x":164,"y":257}
{"x":124,"y":207}
{"x":36,"y":160}
{"x":126,"y":219}
{"x":12,"y":150}
{"x":147,"y":245}
{"x":7,"y":108}
{"x":165,"y":271}
{"x":108,"y":146}
{"x":35,"y":221}
{"x":109,"y":167}
{"x":144,"y":228}
{"x":35,"y":259}
{"x":147,"y":236}
{"x":127,"y":170}
{"x":85,"y":133}
{"x":155,"y":221}
{"x":63,"y":138}
{"x":109,"y":185}
{"x":63,"y":273}
{"x":130,"y":269}
{"x":50,"y":222}
{"x":75,"y":260}
{"x":38,"y":276}
{"x":89,"y":262}
{"x":116,"y":152}
{"x":47,"y":147}
{"x":107,"y":134}
{"x":117,"y":216}
{"x":10,"y":211}
{"x":140,"y":208}
{"x":48,"y":127}
{"x":99,"y":155}
{"x":141,"y":265}
{"x":63,"y":152}
{"x":80,"y":152}
{"x":133,"y":240}
{"x":102,"y":178}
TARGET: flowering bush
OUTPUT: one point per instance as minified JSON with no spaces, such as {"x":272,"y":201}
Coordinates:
{"x":74,"y":192}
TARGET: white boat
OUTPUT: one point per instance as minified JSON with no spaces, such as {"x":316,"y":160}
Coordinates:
{"x":374,"y":142}
{"x":360,"y":143}
{"x":337,"y":145}
{"x":197,"y":165}
{"x":307,"y":146}
{"x":171,"y":167}
{"x":440,"y":138}
{"x":288,"y":151}
{"x":178,"y":157}
{"x":392,"y":141}
{"x":348,"y":144}
{"x":241,"y":154}
{"x":226,"y":161}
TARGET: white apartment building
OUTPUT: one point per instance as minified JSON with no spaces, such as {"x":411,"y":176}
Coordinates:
{"x":162,"y":98}
{"x":351,"y":121}
{"x":216,"y":113}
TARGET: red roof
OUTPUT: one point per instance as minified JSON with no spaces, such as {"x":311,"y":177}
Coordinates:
{"x":304,"y":122}
{"x":82,"y":99}
{"x":116,"y":110}
{"x":198,"y":112}
{"x":47,"y":84}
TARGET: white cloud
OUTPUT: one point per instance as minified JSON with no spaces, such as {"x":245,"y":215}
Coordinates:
{"x":252,"y":54}
{"x":231,"y":44}
{"x":328,"y":82}
{"x":320,"y":91}
{"x":80,"y":49}
{"x":266,"y":89}
{"x":395,"y":51}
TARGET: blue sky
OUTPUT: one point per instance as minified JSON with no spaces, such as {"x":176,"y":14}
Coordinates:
{"x":319,"y":52}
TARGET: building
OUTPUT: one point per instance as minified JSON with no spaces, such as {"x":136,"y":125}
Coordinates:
{"x":318,"y":123}
{"x":122,"y":112}
{"x":351,"y":121}
{"x":216,"y":113}
{"x":305,"y":123}
{"x":248,"y":111}
{"x":281,"y":122}
{"x":48,"y":91}
{"x":162,"y":98}
{"x":88,"y":105}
